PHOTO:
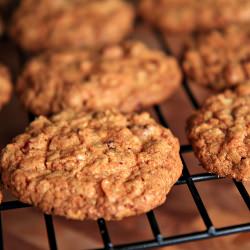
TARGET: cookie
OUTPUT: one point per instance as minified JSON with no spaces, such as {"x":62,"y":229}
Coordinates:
{"x":39,"y":25}
{"x":5,"y":86}
{"x":178,"y":16}
{"x":129,"y":77}
{"x":219,"y":133}
{"x":90,"y":165}
{"x":219,"y":59}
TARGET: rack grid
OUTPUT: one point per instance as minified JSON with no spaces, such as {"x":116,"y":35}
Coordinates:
{"x":158,"y":239}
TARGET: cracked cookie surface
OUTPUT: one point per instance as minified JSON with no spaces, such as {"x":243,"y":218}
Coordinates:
{"x":178,"y":16}
{"x":220,"y":133}
{"x":5,"y":86}
{"x":129,"y":77}
{"x":219,"y":59}
{"x":91,"y":165}
{"x":39,"y":25}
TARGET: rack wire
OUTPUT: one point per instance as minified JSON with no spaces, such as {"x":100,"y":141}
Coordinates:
{"x":158,"y":239}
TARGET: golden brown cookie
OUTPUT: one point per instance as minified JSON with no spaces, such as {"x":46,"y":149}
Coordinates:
{"x":47,"y":24}
{"x":128,"y":76}
{"x":220,"y":133}
{"x":178,"y":16}
{"x":5,"y":86}
{"x":219,"y":59}
{"x":91,"y":165}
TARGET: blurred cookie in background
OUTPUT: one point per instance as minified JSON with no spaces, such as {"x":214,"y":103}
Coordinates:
{"x":129,"y":76}
{"x":178,"y":16}
{"x":219,"y":59}
{"x":39,"y":25}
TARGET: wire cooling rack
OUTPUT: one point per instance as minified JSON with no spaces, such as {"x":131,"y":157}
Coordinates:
{"x":158,"y":239}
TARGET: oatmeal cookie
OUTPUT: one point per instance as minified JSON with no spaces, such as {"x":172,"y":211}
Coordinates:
{"x":5,"y":85}
{"x":219,"y":59}
{"x":178,"y":16}
{"x":128,"y":77}
{"x":220,"y":134}
{"x":39,"y":25}
{"x":90,"y":165}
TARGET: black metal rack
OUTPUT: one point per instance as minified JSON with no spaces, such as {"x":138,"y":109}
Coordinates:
{"x":158,"y":240}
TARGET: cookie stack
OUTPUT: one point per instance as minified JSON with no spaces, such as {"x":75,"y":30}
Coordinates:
{"x":89,"y":155}
{"x":217,"y":57}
